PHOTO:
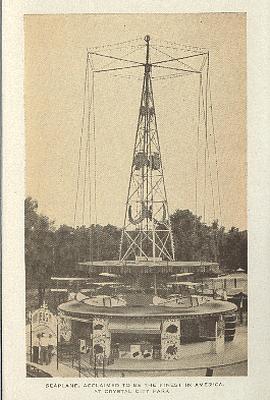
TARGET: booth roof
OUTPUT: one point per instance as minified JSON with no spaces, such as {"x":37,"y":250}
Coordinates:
{"x":146,"y":263}
{"x":183,"y":283}
{"x":107,"y":274}
{"x":79,"y":308}
{"x":237,"y":275}
{"x":55,"y":278}
{"x":107,"y":283}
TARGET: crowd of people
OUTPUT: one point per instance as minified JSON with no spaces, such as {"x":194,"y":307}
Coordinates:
{"x":43,"y":348}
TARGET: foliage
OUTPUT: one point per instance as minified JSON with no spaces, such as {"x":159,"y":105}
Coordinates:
{"x":56,"y":251}
{"x":39,"y":237}
{"x":195,"y":240}
{"x":84,"y":244}
{"x":235,"y":249}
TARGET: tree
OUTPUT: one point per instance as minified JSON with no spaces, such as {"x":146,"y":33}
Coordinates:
{"x":193,"y":240}
{"x":39,"y":239}
{"x":109,"y":242}
{"x":65,"y":250}
{"x":235,"y":249}
{"x":57,"y":251}
{"x":73,"y":245}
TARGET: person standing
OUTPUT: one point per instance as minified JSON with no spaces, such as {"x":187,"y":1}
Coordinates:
{"x":44,"y":343}
{"x":36,"y":345}
{"x":241,"y":304}
{"x":50,"y":348}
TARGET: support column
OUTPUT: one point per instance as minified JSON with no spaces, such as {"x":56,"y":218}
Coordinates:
{"x":101,"y":337}
{"x":170,"y":339}
{"x":219,"y":343}
{"x":64,"y":328}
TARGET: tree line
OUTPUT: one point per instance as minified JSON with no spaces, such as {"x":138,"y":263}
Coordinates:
{"x":55,"y":251}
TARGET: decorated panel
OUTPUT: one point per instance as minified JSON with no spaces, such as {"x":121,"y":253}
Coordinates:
{"x":101,"y":338}
{"x":170,"y":339}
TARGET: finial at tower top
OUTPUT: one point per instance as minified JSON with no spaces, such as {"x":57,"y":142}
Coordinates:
{"x":147,"y":38}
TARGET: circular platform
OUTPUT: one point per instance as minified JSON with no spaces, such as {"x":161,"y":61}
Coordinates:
{"x":80,"y":309}
{"x":136,"y":324}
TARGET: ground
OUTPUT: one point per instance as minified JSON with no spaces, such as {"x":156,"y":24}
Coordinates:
{"x":233,"y":362}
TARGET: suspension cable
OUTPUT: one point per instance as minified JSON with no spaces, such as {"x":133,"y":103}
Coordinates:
{"x":207,"y":154}
{"x":215,"y":150}
{"x":89,"y":96}
{"x":95,"y":159}
{"x":206,"y":107}
{"x":87,"y":152}
{"x":185,"y":47}
{"x":171,"y":57}
{"x":154,"y":78}
{"x":80,"y":143}
{"x":198,"y":146}
{"x":124,"y":55}
{"x":117,"y":44}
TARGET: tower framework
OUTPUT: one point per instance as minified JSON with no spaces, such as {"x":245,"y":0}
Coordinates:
{"x":147,"y":230}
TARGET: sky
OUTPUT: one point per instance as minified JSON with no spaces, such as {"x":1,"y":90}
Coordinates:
{"x":55,"y":53}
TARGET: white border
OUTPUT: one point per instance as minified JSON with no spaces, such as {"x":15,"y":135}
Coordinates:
{"x":15,"y":385}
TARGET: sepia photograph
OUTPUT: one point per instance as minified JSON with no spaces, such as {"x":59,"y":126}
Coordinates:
{"x":135,"y":209}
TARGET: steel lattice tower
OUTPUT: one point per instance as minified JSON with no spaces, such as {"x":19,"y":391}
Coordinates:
{"x":147,"y":231}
